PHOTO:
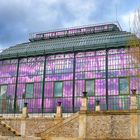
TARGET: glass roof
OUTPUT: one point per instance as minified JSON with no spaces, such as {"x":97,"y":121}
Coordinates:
{"x":67,"y":44}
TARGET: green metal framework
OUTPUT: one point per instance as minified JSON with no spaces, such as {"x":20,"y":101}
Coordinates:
{"x":69,"y":44}
{"x":102,"y":48}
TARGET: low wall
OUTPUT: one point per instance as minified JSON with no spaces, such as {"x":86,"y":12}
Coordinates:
{"x":102,"y":125}
{"x":110,"y":125}
{"x":30,"y":126}
{"x":85,"y":125}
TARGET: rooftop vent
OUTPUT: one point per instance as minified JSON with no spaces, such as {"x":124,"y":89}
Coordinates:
{"x":73,"y":32}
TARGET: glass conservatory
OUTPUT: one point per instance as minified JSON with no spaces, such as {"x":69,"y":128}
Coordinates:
{"x":57,"y":66}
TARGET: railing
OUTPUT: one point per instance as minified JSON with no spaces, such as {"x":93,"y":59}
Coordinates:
{"x":74,"y":31}
{"x":114,"y":103}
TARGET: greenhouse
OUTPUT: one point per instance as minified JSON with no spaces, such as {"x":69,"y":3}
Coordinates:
{"x":58,"y":66}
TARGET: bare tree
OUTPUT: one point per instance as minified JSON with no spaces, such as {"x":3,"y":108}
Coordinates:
{"x":134,"y":43}
{"x":136,"y":23}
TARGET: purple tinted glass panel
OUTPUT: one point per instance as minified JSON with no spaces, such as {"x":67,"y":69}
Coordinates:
{"x":6,"y":61}
{"x":122,"y":64}
{"x":59,"y":67}
{"x":35,"y":68}
{"x":92,"y":102}
{"x":119,"y":102}
{"x":51,"y":103}
{"x":38,"y":90}
{"x":101,"y":52}
{"x":24,"y":60}
{"x":67,"y":89}
{"x":8,"y":70}
{"x":88,"y":75}
{"x":124,"y":86}
{"x":79,"y":87}
{"x":34,"y":105}
{"x":11,"y":91}
{"x":113,"y":86}
{"x":135,"y":84}
{"x":102,"y":100}
{"x":8,"y":80}
{"x":77,"y":103}
{"x":90,"y":53}
{"x":60,"y":76}
{"x":30,"y":71}
{"x":20,"y":90}
{"x":90,"y":65}
{"x":29,"y":79}
{"x":48,"y":89}
{"x":100,"y":87}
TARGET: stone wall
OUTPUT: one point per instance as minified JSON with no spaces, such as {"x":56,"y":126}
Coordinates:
{"x":18,"y":138}
{"x":30,"y":126}
{"x":67,"y":128}
{"x":38,"y":125}
{"x":101,"y":125}
{"x":108,"y":126}
{"x":13,"y":122}
{"x":6,"y":130}
{"x":98,"y":126}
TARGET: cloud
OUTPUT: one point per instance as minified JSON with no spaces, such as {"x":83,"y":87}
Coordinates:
{"x":127,"y":20}
{"x":19,"y":18}
{"x":131,"y":21}
{"x":81,"y":11}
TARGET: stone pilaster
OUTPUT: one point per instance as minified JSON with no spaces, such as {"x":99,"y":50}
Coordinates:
{"x":134,"y":125}
{"x":134,"y":117}
{"x":133,"y":100}
{"x":83,"y":116}
{"x":25,"y":111}
{"x":84,"y":106}
{"x":82,"y":125}
{"x":23,"y":127}
{"x":59,"y":110}
{"x":97,"y":107}
{"x":138,"y":112}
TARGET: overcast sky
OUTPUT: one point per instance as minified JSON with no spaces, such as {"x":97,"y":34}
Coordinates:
{"x":18,"y":18}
